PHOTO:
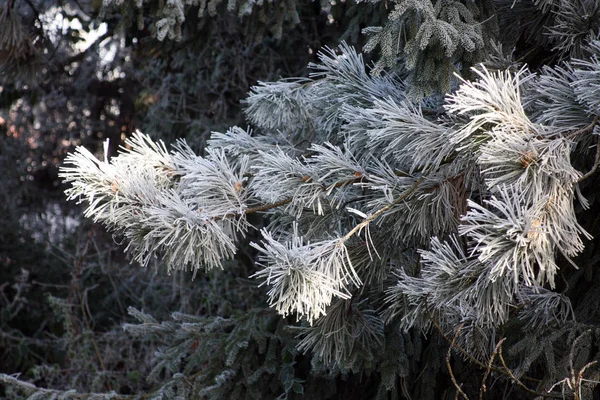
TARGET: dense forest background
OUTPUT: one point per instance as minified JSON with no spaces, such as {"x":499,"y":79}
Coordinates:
{"x":78,"y":72}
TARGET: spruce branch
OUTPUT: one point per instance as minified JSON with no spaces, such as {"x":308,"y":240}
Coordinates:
{"x":514,"y":379}
{"x":504,"y":370}
{"x":37,"y":392}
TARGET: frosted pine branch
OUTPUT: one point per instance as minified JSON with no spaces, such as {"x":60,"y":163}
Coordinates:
{"x":304,"y":277}
{"x":494,"y":99}
{"x":155,"y":200}
{"x":366,"y":194}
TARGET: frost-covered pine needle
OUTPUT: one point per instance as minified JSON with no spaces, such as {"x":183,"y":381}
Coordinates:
{"x":183,"y":208}
{"x":304,"y":277}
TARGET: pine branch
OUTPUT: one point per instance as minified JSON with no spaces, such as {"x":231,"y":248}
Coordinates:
{"x":381,"y":211}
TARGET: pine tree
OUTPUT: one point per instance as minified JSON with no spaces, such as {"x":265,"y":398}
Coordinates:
{"x":423,"y":228}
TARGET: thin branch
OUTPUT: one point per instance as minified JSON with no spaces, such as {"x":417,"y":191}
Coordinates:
{"x":81,"y":8}
{"x":81,"y":55}
{"x":521,"y":384}
{"x":382,"y":210}
{"x":580,"y":378}
{"x":505,"y":371}
{"x":270,"y":206}
{"x":489,"y":368}
{"x":573,"y":347}
{"x":457,"y":347}
{"x":448,"y":355}
{"x":76,"y":275}
{"x":266,"y":207}
{"x":596,"y":163}
{"x":585,"y":367}
{"x":586,"y":129}
{"x":37,"y":15}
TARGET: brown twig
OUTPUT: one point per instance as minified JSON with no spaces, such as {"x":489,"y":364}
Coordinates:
{"x":504,"y":371}
{"x":270,"y":206}
{"x":377,"y":213}
{"x":77,"y":289}
{"x":263,"y":207}
{"x":577,"y":388}
{"x":516,"y":380}
{"x":266,"y":207}
{"x":483,"y":388}
{"x":596,"y":163}
{"x":457,"y":347}
{"x":448,"y":355}
{"x":584,"y":130}
{"x":573,"y":347}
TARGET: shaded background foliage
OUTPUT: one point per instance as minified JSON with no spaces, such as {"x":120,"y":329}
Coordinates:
{"x":68,"y":78}
{"x":78,"y":72}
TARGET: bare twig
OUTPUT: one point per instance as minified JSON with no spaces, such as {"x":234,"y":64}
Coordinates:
{"x":382,"y":210}
{"x":596,"y":163}
{"x":573,"y":347}
{"x":457,"y":347}
{"x":448,"y":355}
{"x":580,"y":379}
{"x":489,"y":368}
{"x":586,"y":129}
{"x":77,"y":265}
{"x":504,"y":371}
{"x":516,"y":380}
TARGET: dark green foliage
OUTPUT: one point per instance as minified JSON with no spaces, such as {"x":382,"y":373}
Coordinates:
{"x":434,"y":38}
{"x":64,"y":288}
{"x":249,"y":355}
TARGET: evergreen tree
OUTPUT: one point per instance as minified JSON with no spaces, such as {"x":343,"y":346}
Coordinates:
{"x":425,"y":228}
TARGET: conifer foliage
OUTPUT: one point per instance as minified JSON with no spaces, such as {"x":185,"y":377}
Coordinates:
{"x":422,"y":228}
